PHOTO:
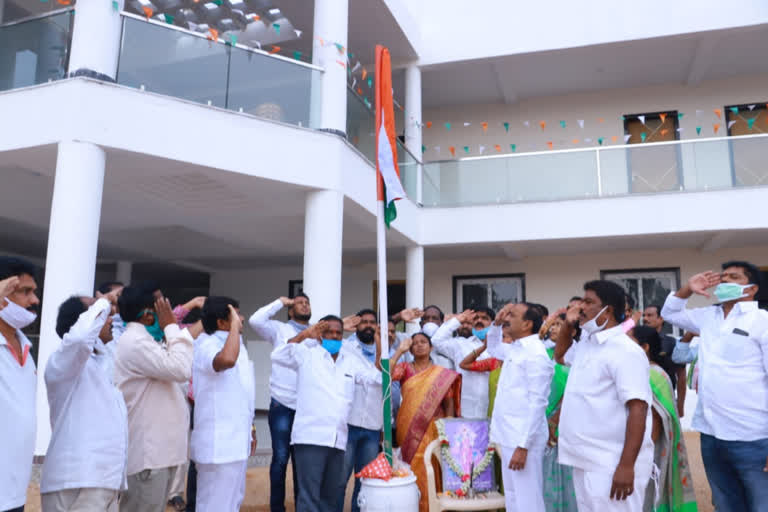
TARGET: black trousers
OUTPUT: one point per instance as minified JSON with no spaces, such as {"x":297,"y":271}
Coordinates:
{"x":320,"y":477}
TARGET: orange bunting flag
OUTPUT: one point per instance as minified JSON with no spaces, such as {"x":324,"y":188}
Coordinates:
{"x":549,"y":145}
{"x":497,"y":147}
{"x":342,"y":64}
{"x":716,"y":126}
{"x":274,"y":49}
{"x":213,"y":33}
{"x":148,"y":12}
{"x":663,"y":117}
{"x":665,"y":131}
{"x":360,"y":91}
{"x":365,"y":73}
{"x":614,"y":138}
{"x":600,"y":120}
{"x":429,"y":124}
{"x":575,"y":141}
{"x":256,"y":17}
{"x":452,"y":150}
{"x":543,"y":125}
{"x":485,"y":126}
{"x":718,"y":113}
{"x":64,"y":2}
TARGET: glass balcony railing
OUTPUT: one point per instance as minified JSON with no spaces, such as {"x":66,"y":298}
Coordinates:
{"x":184,"y":64}
{"x":687,"y":165}
{"x":35,"y":51}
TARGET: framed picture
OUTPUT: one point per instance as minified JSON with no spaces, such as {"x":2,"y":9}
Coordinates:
{"x":295,"y":286}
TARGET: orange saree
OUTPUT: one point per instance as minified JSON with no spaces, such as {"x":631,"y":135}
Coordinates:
{"x":423,"y":394}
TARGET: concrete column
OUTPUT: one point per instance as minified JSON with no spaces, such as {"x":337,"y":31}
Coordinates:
{"x":331,"y":21}
{"x":124,"y":270}
{"x":323,"y":229}
{"x":414,"y":281}
{"x":70,"y":264}
{"x":413,"y":121}
{"x":95,"y":40}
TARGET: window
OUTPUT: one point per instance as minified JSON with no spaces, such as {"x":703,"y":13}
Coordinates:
{"x":493,"y":291}
{"x":653,"y":169}
{"x":646,"y":286}
{"x":747,"y":154}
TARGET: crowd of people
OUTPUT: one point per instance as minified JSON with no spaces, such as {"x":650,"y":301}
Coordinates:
{"x":584,"y":404}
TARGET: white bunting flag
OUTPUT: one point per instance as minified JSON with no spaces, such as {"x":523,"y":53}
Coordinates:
{"x":482,"y":148}
{"x":731,"y":123}
{"x":356,"y":67}
{"x":588,"y":139}
{"x":642,"y":119}
{"x":626,"y":138}
{"x":257,"y":44}
{"x":699,"y":112}
{"x":751,"y":107}
{"x":680,"y":130}
{"x":354,"y":82}
{"x":527,"y":124}
{"x":581,"y":123}
{"x":467,"y":124}
{"x":298,"y":32}
{"x":437,"y":149}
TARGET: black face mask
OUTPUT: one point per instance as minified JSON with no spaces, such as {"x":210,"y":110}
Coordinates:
{"x":366,"y":336}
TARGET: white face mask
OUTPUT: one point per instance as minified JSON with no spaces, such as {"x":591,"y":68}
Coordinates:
{"x":591,"y":327}
{"x":429,"y":328}
{"x":16,"y":316}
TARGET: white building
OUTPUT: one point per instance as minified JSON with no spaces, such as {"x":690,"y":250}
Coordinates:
{"x":554,"y":142}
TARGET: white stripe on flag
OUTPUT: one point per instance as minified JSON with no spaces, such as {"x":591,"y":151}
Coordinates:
{"x":394,"y":189}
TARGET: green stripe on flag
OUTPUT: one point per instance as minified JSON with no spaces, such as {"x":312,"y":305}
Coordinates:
{"x":390,"y":210}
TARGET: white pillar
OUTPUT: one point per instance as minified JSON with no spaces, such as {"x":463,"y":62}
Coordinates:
{"x":414,"y":282}
{"x":124,"y":270}
{"x":323,"y":228}
{"x":95,"y":39}
{"x":70,"y":265}
{"x":330,"y":26}
{"x":413,"y":121}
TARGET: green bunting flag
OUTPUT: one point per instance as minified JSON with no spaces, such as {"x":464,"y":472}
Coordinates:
{"x":643,"y":136}
{"x":513,"y":147}
{"x":232,"y":39}
{"x":735,"y":110}
{"x":600,"y":140}
{"x":680,"y":116}
{"x":448,"y":126}
{"x":751,"y":122}
{"x":423,"y":148}
{"x":168,"y":19}
{"x":698,"y":130}
{"x":506,"y":127}
{"x":562,"y":124}
{"x":466,"y":149}
{"x":622,"y":119}
{"x":276,"y":26}
{"x":297,"y":55}
{"x":370,"y":83}
{"x":115,"y":6}
{"x":339,"y":47}
{"x":218,"y":2}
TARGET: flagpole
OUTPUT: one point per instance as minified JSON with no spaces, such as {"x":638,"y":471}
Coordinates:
{"x":386,"y":381}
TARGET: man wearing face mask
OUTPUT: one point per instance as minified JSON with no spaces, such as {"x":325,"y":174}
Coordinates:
{"x":223,"y":437}
{"x":84,"y":466}
{"x":148,"y":375}
{"x":732,"y":410}
{"x":605,"y":423}
{"x":327,"y":374}
{"x":471,"y":328}
{"x":18,"y":306}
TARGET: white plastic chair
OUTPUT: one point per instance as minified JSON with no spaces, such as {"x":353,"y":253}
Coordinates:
{"x":492,"y":501}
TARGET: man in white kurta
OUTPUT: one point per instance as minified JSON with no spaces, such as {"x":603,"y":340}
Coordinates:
{"x":84,"y":467}
{"x":224,"y":405}
{"x":519,"y":423}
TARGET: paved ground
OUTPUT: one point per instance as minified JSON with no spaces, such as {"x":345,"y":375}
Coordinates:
{"x":257,"y":488}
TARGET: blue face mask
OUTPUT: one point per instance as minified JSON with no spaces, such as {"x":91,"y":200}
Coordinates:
{"x":481,"y":334}
{"x":154,"y":330}
{"x":332,"y":346}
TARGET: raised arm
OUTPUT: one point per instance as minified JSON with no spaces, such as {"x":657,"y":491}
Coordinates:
{"x":468,"y":362}
{"x":261,"y":321}
{"x":496,"y":347}
{"x":565,"y":337}
{"x":674,"y":310}
{"x":227,"y":356}
{"x":441,"y":341}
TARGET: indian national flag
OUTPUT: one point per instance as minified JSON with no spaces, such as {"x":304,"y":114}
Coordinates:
{"x":388,"y":173}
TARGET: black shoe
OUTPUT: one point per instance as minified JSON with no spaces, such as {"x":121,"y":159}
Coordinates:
{"x":178,"y":503}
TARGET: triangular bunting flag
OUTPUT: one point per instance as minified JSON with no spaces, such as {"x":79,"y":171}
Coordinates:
{"x":716,"y":127}
{"x":276,"y":26}
{"x":600,"y":119}
{"x":562,"y":124}
{"x":168,"y":19}
{"x":513,"y":147}
{"x":751,"y":107}
{"x":549,"y":145}
{"x":339,"y":47}
{"x":497,"y":147}
{"x":115,"y":5}
{"x":232,"y":39}
{"x":429,"y":124}
{"x":731,"y":123}
{"x":614,"y":138}
{"x":357,"y":66}
{"x":543,"y":125}
{"x":482,"y":149}
{"x":699,"y":112}
{"x":452,"y":150}
{"x":626,"y":138}
{"x":680,"y":116}
{"x":665,"y":131}
{"x":581,"y":123}
{"x":663,"y":117}
{"x":527,"y":124}
{"x":588,"y":139}
{"x":643,"y":136}
{"x":575,"y":141}
{"x":506,"y":126}
{"x":370,"y":82}
{"x":256,"y":17}
{"x":423,"y":148}
{"x":274,"y":49}
{"x":751,"y":123}
{"x":448,"y":126}
{"x":365,"y":73}
{"x":257,"y":44}
{"x":437,"y":149}
{"x":680,"y":130}
{"x":735,"y":110}
{"x":600,"y":140}
{"x":466,"y":124}
{"x":298,"y":32}
{"x":698,"y":130}
{"x":718,"y":113}
{"x":466,"y":149}
{"x":213,"y":34}
{"x":642,"y":119}
{"x":148,"y":12}
{"x":484,"y":126}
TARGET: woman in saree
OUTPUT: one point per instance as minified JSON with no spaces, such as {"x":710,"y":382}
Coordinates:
{"x":673,"y":491}
{"x":429,"y":392}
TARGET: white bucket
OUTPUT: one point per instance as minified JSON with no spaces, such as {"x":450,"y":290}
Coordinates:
{"x":397,"y":495}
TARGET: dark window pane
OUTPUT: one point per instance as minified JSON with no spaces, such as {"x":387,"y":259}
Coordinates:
{"x":474,"y":296}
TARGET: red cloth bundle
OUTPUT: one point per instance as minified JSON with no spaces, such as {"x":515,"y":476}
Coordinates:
{"x":377,"y":468}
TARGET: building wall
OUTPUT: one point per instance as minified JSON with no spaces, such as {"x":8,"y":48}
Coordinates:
{"x":609,"y":105}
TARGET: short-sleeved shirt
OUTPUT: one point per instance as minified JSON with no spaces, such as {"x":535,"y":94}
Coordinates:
{"x":608,"y":370}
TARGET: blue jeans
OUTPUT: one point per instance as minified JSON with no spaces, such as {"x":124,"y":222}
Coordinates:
{"x":735,"y":473}
{"x":319,"y":479}
{"x":280,"y":425}
{"x":363,"y":446}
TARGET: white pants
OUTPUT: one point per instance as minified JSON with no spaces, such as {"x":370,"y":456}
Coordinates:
{"x":523,"y":489}
{"x":220,"y":487}
{"x":89,"y":499}
{"x":593,"y":493}
{"x":179,"y":482}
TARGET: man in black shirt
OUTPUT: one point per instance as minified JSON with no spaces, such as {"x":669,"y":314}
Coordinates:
{"x":652,"y":318}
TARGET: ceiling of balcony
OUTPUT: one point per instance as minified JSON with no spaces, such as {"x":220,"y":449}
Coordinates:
{"x":686,"y":59}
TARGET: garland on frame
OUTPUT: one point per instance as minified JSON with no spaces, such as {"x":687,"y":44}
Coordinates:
{"x":466,"y":478}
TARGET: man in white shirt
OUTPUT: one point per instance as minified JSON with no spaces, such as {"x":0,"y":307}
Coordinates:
{"x":325,"y":390}
{"x":519,"y":423}
{"x":148,"y":374}
{"x":84,"y":466}
{"x":471,"y":328}
{"x":222,"y":438}
{"x":732,"y":410}
{"x":605,"y":423}
{"x":18,"y":380}
{"x":282,"y":389}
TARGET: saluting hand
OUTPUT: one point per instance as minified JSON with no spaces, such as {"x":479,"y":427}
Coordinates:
{"x":700,"y":283}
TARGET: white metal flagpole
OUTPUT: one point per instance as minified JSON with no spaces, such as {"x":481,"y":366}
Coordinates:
{"x":381,"y":260}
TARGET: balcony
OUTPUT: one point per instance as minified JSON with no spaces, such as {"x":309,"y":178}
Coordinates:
{"x":606,"y":171}
{"x":35,"y":50}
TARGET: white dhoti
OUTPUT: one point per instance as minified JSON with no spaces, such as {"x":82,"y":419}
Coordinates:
{"x":220,"y":487}
{"x":593,"y":493}
{"x":524,"y":488}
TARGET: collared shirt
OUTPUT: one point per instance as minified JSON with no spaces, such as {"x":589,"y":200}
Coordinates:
{"x":325,"y":390}
{"x":685,"y":353}
{"x":89,"y":420}
{"x":148,"y":374}
{"x":733,"y":362}
{"x":519,"y":413}
{"x":608,"y":369}
{"x":368,"y":402}
{"x":18,"y":382}
{"x":282,"y":380}
{"x":474,"y":385}
{"x":224,"y":404}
